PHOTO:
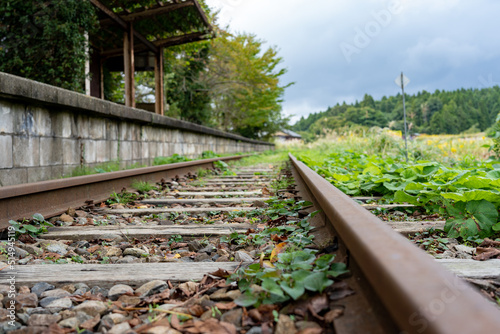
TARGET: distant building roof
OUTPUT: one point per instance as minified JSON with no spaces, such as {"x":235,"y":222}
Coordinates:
{"x":291,"y":133}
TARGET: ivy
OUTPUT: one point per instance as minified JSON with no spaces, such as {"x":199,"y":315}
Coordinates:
{"x":37,"y":226}
{"x":45,"y":41}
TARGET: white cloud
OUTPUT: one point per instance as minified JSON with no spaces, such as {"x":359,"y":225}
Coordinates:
{"x":444,"y":44}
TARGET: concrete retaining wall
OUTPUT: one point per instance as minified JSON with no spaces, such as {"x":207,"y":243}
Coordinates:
{"x":45,"y":132}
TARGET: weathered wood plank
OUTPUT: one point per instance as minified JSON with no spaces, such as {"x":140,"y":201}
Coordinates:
{"x":107,"y":275}
{"x":140,"y":212}
{"x":386,"y":206}
{"x":222,"y":188}
{"x":245,"y":176}
{"x":224,"y":179}
{"x":240,"y":182}
{"x":143,"y":232}
{"x":158,"y":201}
{"x":412,"y":227}
{"x":473,"y":269}
{"x":366,"y":198}
{"x":215,"y":193}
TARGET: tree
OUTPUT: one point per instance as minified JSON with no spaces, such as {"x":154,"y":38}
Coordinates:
{"x":45,"y":41}
{"x":187,"y":95}
{"x":244,"y":86}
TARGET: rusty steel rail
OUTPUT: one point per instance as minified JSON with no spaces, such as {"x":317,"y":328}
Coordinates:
{"x":420,"y":295}
{"x":54,"y":197}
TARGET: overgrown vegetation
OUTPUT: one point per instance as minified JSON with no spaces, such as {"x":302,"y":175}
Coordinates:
{"x":289,"y":268}
{"x":36,"y":226}
{"x":45,"y":41}
{"x":170,"y":160}
{"x":468,"y":195}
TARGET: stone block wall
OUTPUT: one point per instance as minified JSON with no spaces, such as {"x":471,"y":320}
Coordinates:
{"x":45,"y":132}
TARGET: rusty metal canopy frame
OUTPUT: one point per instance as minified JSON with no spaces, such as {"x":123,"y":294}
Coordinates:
{"x":133,"y":34}
{"x":156,"y":24}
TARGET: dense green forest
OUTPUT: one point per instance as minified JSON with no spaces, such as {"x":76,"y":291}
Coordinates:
{"x":441,"y":112}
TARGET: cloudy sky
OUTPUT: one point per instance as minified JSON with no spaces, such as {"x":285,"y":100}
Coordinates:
{"x":338,"y":50}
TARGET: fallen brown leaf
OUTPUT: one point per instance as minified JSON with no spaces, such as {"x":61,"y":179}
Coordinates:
{"x":280,"y":248}
{"x":333,"y":314}
{"x":27,"y":239}
{"x":214,"y":326}
{"x":314,"y":330}
{"x":91,"y":323}
{"x":339,"y":290}
{"x":196,"y":310}
{"x":226,"y":306}
{"x":318,"y":303}
{"x":490,"y":243}
{"x":486,"y":253}
{"x":223,"y":273}
{"x":56,"y":329}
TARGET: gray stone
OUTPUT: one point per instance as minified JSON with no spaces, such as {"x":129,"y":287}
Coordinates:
{"x":26,"y":151}
{"x":81,"y":251}
{"x":26,"y":260}
{"x":120,"y":289}
{"x":43,"y":319}
{"x":59,"y":304}
{"x":209,"y":249}
{"x":56,"y":293}
{"x":81,"y":244}
{"x":255,"y":330}
{"x":37,"y":310}
{"x":242,"y":256}
{"x":57,"y":248}
{"x":31,"y":249}
{"x":127,"y":259}
{"x":72,"y":322}
{"x":91,"y":308}
{"x":201,"y":257}
{"x":82,"y":286}
{"x":285,"y":325}
{"x":98,"y":290}
{"x":151,"y":288}
{"x":137,"y":252}
{"x":6,"y":149}
{"x":114,"y":318}
{"x":194,"y":246}
{"x":120,"y":328}
{"x":50,"y":151}
{"x":113,"y":251}
{"x":23,"y":317}
{"x":8,"y":326}
{"x":47,"y":300}
{"x":26,"y":300}
{"x":20,"y":253}
{"x":233,"y":317}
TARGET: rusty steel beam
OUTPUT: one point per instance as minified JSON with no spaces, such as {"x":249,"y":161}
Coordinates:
{"x":419,"y":294}
{"x":54,"y":197}
{"x":124,"y":25}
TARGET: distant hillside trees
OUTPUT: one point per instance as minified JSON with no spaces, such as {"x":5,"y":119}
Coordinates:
{"x":464,"y":110}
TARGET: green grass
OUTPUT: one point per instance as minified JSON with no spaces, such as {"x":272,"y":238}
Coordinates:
{"x":143,"y":186}
{"x":267,"y":157}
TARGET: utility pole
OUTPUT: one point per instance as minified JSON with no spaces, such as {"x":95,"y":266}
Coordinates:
{"x":403,"y":81}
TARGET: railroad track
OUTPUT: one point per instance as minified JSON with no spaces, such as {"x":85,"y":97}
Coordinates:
{"x":143,"y":267}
